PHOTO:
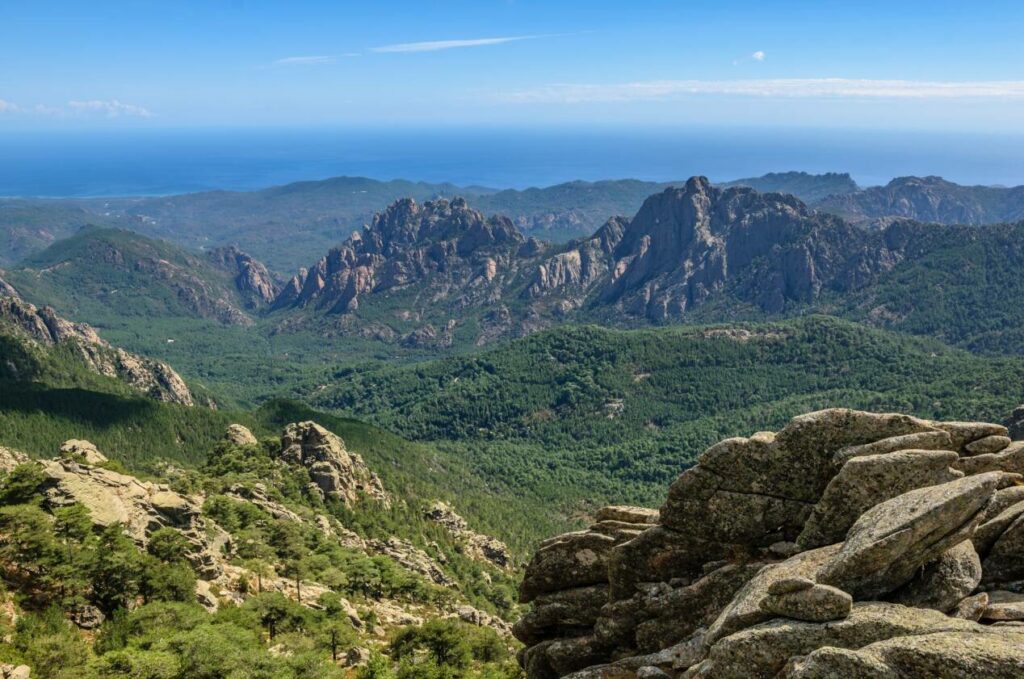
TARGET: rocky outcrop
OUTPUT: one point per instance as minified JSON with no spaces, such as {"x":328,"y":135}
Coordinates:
{"x":336,"y":473}
{"x":142,"y":507}
{"x":480,"y":547}
{"x":846,"y":544}
{"x":443,"y":245}
{"x":252,"y":279}
{"x":43,"y":326}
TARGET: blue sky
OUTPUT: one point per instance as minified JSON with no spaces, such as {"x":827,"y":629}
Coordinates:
{"x":242,"y":63}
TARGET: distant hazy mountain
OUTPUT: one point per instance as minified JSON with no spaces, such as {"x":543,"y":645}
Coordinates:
{"x":286,"y":226}
{"x":809,"y":188}
{"x":930,"y":199}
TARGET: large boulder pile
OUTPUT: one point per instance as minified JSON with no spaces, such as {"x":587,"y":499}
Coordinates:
{"x":847,"y":544}
{"x":336,"y":472}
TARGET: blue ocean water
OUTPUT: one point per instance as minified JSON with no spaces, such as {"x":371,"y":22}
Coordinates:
{"x":156,"y":162}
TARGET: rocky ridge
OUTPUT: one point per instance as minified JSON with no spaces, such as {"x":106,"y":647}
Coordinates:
{"x":81,"y":474}
{"x":929,"y":199}
{"x":43,"y":326}
{"x":846,"y":544}
{"x":686,"y":246}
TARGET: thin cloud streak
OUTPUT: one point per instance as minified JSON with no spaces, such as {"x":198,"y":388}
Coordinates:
{"x":304,"y":61}
{"x":832,"y":88}
{"x":435,"y":45}
{"x":111,"y":108}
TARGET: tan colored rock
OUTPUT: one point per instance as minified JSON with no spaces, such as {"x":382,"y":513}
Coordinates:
{"x":10,"y":458}
{"x":335,"y":471}
{"x":925,"y":440}
{"x":626,"y":514}
{"x":963,"y":433}
{"x":983,"y":653}
{"x":762,"y":651}
{"x":892,"y":540}
{"x":987,"y":445}
{"x":972,"y":607}
{"x":577,"y":560}
{"x":482,"y":548}
{"x":570,"y":612}
{"x":993,"y":528}
{"x":83,"y":451}
{"x":746,"y":607}
{"x":1004,"y":562}
{"x":818,"y":603}
{"x":1004,"y":605}
{"x":867,"y":480}
{"x":240,"y":435}
{"x":1009,"y":459}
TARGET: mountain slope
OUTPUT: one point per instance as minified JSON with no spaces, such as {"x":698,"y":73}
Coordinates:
{"x":810,"y":188}
{"x":111,"y":275}
{"x":929,"y":199}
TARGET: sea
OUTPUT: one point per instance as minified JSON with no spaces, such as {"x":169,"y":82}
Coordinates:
{"x":91,"y":163}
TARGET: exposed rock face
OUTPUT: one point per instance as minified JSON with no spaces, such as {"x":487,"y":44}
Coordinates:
{"x":480,"y":547}
{"x":140,"y":506}
{"x":240,"y":435}
{"x":149,"y":377}
{"x":255,"y":283}
{"x":894,"y":537}
{"x":336,"y":472}
{"x":444,"y":244}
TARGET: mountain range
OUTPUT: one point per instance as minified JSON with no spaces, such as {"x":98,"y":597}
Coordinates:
{"x":286,"y":226}
{"x":441,"y":274}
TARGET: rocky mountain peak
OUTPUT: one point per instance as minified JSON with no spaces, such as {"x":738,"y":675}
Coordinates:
{"x":442,"y":241}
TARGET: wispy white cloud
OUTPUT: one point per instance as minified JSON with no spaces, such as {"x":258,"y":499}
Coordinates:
{"x":835,"y":88}
{"x":758,"y":55}
{"x":314,"y":60}
{"x":111,"y":108}
{"x":435,"y":45}
{"x":304,"y":61}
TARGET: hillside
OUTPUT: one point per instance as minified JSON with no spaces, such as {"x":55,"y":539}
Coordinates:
{"x":929,"y":199}
{"x":810,"y":188}
{"x":586,"y":414}
{"x":112,"y":276}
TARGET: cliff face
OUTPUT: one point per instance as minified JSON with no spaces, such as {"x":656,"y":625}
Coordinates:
{"x":252,"y":279}
{"x":848,"y":543}
{"x":443,"y":245}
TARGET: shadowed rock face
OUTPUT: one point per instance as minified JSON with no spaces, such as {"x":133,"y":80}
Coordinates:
{"x":253,"y":280}
{"x":895,"y":534}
